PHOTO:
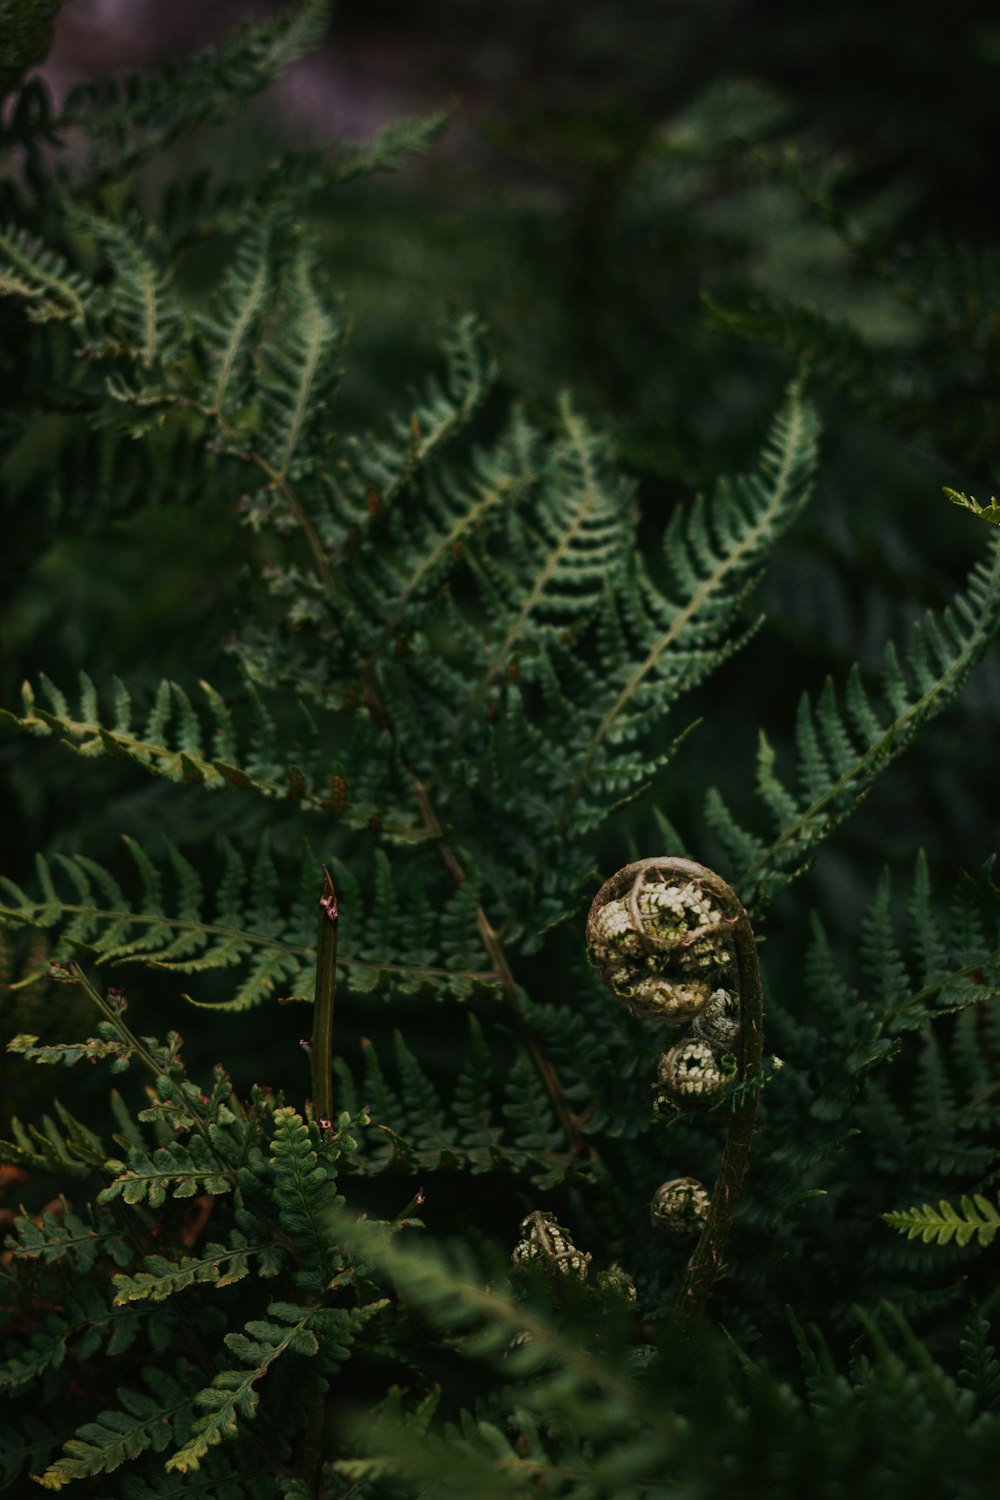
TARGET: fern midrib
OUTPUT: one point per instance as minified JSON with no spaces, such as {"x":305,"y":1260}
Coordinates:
{"x":147,"y":281}
{"x":963,"y":662}
{"x":317,"y":333}
{"x":232,"y":347}
{"x":681,"y":621}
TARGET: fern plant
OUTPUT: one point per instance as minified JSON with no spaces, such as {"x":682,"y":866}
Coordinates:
{"x":466,"y":650}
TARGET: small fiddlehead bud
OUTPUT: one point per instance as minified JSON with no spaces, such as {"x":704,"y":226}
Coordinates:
{"x":691,"y":1072}
{"x":719,"y":1022}
{"x":618,"y":1282}
{"x":680,"y":1207}
{"x":547,"y":1246}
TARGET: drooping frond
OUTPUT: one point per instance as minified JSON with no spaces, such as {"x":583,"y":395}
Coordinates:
{"x":175,"y":742}
{"x":841,"y":749}
{"x":248,"y":924}
{"x":43,"y":280}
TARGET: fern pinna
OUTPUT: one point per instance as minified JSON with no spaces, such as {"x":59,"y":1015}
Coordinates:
{"x":465,"y":641}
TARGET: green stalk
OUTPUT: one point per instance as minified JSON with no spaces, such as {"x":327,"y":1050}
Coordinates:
{"x":321,"y":1080}
{"x":321,"y":1045}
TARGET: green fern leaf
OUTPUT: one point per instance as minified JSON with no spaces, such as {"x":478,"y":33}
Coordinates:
{"x":215,"y":1265}
{"x":990,"y":512}
{"x":840,"y":753}
{"x":43,"y":280}
{"x":145,"y":1422}
{"x":974,"y":1218}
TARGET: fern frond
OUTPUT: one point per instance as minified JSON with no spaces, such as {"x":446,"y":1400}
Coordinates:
{"x":140,"y":311}
{"x":128,"y":118}
{"x":980,"y":1368}
{"x":61,"y":1144}
{"x":974,"y":1218}
{"x":373,"y":470}
{"x":271,"y":940}
{"x":301,"y":372}
{"x":388,"y":150}
{"x":232,"y":1399}
{"x":667,"y":642}
{"x":116,"y":1437}
{"x":990,"y":512}
{"x":304,"y":1186}
{"x":180,"y":1170}
{"x":841,"y":750}
{"x":43,"y":279}
{"x":231,"y":326}
{"x":215,"y":1265}
{"x":172,"y":744}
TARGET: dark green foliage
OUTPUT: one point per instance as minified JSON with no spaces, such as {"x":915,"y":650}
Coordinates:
{"x":474,"y":643}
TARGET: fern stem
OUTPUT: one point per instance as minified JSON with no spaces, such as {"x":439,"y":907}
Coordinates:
{"x":706,"y":1260}
{"x":321,"y":1046}
{"x":569,"y":1121}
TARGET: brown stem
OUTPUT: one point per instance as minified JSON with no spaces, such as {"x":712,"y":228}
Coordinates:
{"x":321,"y":1045}
{"x":569,"y":1121}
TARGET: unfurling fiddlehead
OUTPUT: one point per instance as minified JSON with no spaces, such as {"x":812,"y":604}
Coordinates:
{"x":673,"y":942}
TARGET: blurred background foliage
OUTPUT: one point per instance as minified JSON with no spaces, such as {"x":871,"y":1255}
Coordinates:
{"x":608,"y":176}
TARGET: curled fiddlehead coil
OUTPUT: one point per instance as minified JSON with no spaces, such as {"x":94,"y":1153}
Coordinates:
{"x":545,"y":1245}
{"x":718,"y":1023}
{"x":680,"y":1207}
{"x":659,"y":940}
{"x":692,"y":1074}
